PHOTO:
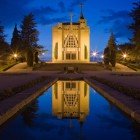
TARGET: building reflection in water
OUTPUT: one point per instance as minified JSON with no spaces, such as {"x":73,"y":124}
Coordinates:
{"x":70,"y":100}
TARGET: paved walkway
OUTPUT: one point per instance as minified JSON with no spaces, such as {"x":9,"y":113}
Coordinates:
{"x":130,"y":79}
{"x":122,"y":68}
{"x":20,"y":74}
{"x":21,"y":67}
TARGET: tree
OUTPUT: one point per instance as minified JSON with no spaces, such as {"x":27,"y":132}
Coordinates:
{"x":30,"y":57}
{"x":29,"y":114}
{"x":2,"y":35}
{"x":135,"y":27}
{"x":112,"y":49}
{"x":29,"y":35}
{"x":106,"y":56}
{"x":36,"y":57}
{"x":4,"y":47}
{"x":16,"y":40}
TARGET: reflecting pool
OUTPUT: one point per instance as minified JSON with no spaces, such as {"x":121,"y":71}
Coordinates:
{"x":70,"y":110}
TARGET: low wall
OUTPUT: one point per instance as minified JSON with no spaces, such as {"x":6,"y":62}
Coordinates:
{"x":127,"y":104}
{"x":11,"y":106}
{"x":64,"y":66}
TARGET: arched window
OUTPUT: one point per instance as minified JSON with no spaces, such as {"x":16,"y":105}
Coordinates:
{"x":86,"y":52}
{"x":56,"y":51}
{"x":71,"y":41}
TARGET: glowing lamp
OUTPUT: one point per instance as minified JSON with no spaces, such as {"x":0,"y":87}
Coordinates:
{"x":124,"y":56}
{"x":15,"y":55}
{"x":94,"y":53}
{"x":102,"y":56}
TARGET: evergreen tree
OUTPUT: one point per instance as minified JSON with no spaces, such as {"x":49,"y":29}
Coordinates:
{"x":112,"y":49}
{"x":106,"y":56}
{"x":16,"y":40}
{"x":2,"y":35}
{"x":135,"y":26}
{"x":36,"y":57}
{"x":29,"y":35}
{"x":30,"y":57}
{"x":4,"y":47}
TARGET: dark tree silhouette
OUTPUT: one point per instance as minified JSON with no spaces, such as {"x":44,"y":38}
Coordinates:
{"x":112,"y":49}
{"x":16,"y":40}
{"x":135,"y":27}
{"x":30,"y":113}
{"x":4,"y":47}
{"x":36,"y":57}
{"x":29,"y":35}
{"x":106,"y":56}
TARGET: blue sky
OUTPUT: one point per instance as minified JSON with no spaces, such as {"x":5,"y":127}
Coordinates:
{"x":103,"y":16}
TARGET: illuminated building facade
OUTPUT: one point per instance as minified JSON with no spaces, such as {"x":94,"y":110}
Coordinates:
{"x":71,"y":42}
{"x":70,"y":99}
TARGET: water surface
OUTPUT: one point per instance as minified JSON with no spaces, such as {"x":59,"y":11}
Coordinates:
{"x":70,"y":110}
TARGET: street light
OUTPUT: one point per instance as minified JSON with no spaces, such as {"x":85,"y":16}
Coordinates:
{"x":124,"y":56}
{"x":15,"y":55}
{"x":94,"y":54}
{"x":102,"y":56}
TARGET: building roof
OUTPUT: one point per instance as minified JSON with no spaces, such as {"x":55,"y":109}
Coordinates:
{"x":73,"y":23}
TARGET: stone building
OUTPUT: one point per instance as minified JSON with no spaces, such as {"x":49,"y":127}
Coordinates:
{"x":71,"y":42}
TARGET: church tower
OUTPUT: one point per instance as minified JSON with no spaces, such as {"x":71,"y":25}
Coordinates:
{"x":71,"y":41}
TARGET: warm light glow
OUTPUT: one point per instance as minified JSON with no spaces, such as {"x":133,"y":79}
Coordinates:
{"x":15,"y":55}
{"x":124,"y":55}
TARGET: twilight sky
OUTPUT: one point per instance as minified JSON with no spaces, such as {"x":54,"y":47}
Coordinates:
{"x":102,"y":16}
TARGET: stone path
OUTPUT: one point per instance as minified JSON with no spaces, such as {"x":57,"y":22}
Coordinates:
{"x":21,"y":67}
{"x":130,"y":79}
{"x":122,"y":68}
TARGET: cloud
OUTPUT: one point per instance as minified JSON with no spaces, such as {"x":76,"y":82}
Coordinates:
{"x":62,"y":6}
{"x":75,"y":3}
{"x":47,"y":21}
{"x":117,"y":22}
{"x":44,"y":11}
{"x":114,"y":16}
{"x":12,"y":11}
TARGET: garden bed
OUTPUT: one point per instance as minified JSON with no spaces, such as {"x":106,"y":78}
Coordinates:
{"x":130,"y":91}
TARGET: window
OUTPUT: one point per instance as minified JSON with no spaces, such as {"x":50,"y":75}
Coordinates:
{"x":56,"y":51}
{"x":86,"y":52}
{"x":56,"y":90}
{"x":70,"y":85}
{"x":73,"y":56}
{"x":71,"y":41}
{"x":70,"y":56}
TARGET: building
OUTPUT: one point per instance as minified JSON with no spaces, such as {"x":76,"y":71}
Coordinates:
{"x":71,"y":42}
{"x":70,"y":100}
